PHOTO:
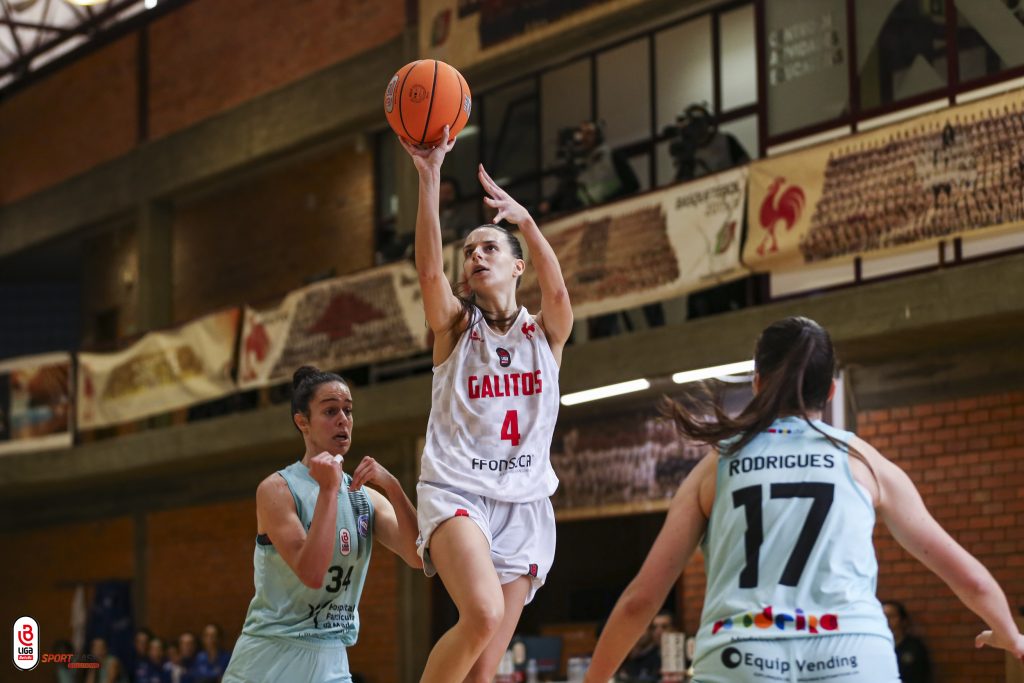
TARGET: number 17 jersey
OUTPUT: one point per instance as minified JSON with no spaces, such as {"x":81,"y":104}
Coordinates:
{"x":788,"y":550}
{"x":493,"y":409}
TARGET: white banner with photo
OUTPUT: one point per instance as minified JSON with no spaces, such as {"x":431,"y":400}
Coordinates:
{"x":353,"y":320}
{"x":35,"y":403}
{"x":653,"y":247}
{"x":161,"y":372}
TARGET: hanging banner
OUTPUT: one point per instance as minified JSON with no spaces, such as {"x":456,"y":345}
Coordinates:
{"x":626,"y":461}
{"x":651,"y":248}
{"x":163,"y":371}
{"x":353,"y":320}
{"x":35,"y":403}
{"x":947,"y":174}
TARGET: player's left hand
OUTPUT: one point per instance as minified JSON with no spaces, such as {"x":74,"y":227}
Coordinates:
{"x":369,"y":471}
{"x":508,"y":208}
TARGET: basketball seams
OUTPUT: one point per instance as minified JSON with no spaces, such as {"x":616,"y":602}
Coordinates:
{"x":458,"y":111}
{"x":418,"y":108}
{"x":430,"y":107}
{"x":400,"y":94}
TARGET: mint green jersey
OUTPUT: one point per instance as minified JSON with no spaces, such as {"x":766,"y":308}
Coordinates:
{"x":286,"y":608}
{"x":788,"y":550}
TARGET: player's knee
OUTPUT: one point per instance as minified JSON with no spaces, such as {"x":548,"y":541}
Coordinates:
{"x":484,"y":617}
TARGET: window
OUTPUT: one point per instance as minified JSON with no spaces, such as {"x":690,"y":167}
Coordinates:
{"x":806,"y":62}
{"x":990,"y":37}
{"x":901,"y":50}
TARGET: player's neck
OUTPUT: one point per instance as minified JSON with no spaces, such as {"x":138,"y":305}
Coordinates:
{"x":502,"y":309}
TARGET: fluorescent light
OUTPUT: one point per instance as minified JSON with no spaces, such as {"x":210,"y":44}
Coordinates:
{"x":716,"y":371}
{"x":150,"y":4}
{"x":605,"y":392}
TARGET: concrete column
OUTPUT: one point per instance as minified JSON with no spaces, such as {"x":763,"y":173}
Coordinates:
{"x":154,"y":223}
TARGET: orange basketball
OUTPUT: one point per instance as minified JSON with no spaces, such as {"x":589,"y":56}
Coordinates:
{"x":423,"y":97}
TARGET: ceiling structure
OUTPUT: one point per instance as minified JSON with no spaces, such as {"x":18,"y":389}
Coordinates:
{"x":34,"y":33}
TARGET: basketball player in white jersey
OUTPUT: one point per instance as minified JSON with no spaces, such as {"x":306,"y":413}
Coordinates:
{"x":786,"y":509}
{"x":485,"y":519}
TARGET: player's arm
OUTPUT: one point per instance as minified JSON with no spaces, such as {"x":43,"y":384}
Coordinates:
{"x":684,"y":526}
{"x":901,"y":508}
{"x":308,"y":555}
{"x":556,"y":316}
{"x":439,"y":303}
{"x":394,"y":517}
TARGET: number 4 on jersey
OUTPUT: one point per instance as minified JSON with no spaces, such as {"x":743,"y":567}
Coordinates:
{"x":510,"y":427}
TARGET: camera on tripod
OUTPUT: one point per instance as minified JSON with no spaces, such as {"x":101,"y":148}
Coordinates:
{"x":570,"y":149}
{"x":693,"y":129}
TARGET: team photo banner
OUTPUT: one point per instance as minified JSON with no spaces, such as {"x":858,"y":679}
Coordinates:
{"x":940,"y":176}
{"x":353,"y":320}
{"x":35,"y":403}
{"x":163,"y":371}
{"x":651,"y":248}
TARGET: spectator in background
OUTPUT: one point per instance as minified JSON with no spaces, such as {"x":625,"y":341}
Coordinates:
{"x":643,"y":664}
{"x":211,"y":662}
{"x":187,"y":647}
{"x":458,"y":218}
{"x":64,"y":674}
{"x":110,"y":670}
{"x":911,"y":654}
{"x":139,"y":664}
{"x":152,"y":668}
{"x":175,"y":670}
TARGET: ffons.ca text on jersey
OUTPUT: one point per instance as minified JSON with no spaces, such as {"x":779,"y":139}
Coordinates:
{"x":507,"y":385}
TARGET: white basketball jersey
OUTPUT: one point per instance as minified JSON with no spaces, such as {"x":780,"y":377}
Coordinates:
{"x":493,"y":412}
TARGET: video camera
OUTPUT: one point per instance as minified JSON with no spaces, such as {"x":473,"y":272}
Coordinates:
{"x":693,"y":129}
{"x":570,"y":149}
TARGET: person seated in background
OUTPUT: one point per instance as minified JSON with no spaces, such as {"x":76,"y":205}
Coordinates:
{"x":140,"y":655}
{"x":643,"y":664}
{"x":458,"y":218}
{"x":110,"y":670}
{"x":175,"y":670}
{"x":152,"y":669}
{"x":188,"y":645}
{"x":911,"y":654}
{"x":211,"y":662}
{"x":593,"y":174}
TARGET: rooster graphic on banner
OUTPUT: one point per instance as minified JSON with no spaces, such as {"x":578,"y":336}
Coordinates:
{"x":786,"y":207}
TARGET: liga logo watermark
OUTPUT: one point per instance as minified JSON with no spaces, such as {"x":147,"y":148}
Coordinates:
{"x":26,"y":643}
{"x":27,"y":655}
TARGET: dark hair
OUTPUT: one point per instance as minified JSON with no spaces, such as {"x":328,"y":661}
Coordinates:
{"x":795,"y":362}
{"x":454,"y":183}
{"x":304,"y":384}
{"x":900,"y":608}
{"x":467,"y":297}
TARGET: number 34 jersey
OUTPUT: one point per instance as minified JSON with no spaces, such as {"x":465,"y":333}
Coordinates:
{"x":493,"y":412}
{"x":788,"y":551}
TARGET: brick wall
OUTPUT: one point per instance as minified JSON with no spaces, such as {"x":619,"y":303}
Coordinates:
{"x":200,"y":570}
{"x":261,"y":239}
{"x":211,"y":56}
{"x":967,"y":459}
{"x":70,"y":121}
{"x":42,"y":566}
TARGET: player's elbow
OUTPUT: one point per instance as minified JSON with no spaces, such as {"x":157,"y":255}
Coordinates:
{"x":413,"y":561}
{"x":637,"y":602}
